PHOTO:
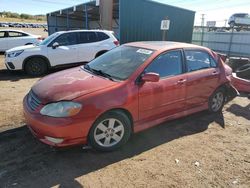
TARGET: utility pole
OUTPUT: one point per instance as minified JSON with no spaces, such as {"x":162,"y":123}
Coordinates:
{"x":225,"y":22}
{"x":202,"y":28}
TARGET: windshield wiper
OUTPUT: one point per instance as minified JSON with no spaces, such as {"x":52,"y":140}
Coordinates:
{"x":99,"y":72}
{"x":87,"y":67}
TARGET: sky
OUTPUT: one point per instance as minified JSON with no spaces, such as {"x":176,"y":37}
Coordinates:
{"x":214,"y":10}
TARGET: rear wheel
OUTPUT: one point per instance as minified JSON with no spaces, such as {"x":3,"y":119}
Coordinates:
{"x":232,"y":24}
{"x":36,"y":66}
{"x":216,"y":101}
{"x":110,"y":131}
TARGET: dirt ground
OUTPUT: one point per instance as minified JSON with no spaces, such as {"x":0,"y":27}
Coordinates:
{"x":201,"y":150}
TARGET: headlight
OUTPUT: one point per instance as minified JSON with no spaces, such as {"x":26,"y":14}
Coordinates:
{"x":15,"y":54}
{"x":61,"y":109}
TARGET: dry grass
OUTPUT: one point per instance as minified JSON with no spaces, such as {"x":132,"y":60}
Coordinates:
{"x":20,"y":20}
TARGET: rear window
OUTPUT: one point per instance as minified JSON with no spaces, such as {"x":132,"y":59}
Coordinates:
{"x":102,"y":36}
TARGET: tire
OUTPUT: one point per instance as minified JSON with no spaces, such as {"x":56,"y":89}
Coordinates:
{"x":232,"y":24}
{"x":36,"y":66}
{"x":243,"y":71}
{"x":216,"y":101}
{"x":110,"y":131}
{"x":238,"y":29}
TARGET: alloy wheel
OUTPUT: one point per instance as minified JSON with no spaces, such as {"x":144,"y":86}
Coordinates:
{"x":109,"y":132}
{"x":217,"y":101}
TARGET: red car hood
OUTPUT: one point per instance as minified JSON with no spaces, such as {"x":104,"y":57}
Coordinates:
{"x":69,"y":84}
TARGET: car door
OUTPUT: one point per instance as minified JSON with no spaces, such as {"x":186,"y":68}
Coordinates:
{"x":202,"y":76}
{"x":88,"y":46}
{"x":66,"y":52}
{"x":166,"y":97}
{"x":3,"y":41}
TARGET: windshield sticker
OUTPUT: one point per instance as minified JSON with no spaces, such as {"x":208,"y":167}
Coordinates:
{"x":143,"y":51}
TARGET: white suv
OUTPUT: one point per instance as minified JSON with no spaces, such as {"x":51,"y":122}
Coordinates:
{"x":60,"y":49}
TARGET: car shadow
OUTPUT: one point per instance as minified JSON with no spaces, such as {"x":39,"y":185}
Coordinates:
{"x":25,"y":162}
{"x":240,"y":110}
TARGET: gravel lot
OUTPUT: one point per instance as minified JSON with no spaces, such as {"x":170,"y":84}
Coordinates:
{"x":201,"y":150}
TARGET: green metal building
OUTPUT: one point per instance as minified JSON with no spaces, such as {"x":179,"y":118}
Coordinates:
{"x":132,"y":20}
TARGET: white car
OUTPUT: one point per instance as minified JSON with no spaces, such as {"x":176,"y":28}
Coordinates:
{"x":60,"y":49}
{"x":13,"y":38}
{"x":239,"y":19}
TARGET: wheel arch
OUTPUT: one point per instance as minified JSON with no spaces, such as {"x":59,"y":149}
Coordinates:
{"x":122,"y":110}
{"x":36,"y":56}
{"x":100,"y":53}
{"x":229,"y":91}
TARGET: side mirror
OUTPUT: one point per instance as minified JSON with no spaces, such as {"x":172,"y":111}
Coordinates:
{"x":55,"y":45}
{"x":150,"y":77}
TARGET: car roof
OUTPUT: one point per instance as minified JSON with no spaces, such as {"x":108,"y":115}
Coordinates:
{"x":85,"y":30}
{"x":163,"y":45}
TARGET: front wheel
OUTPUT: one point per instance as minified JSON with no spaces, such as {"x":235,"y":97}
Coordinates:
{"x":36,"y":66}
{"x":110,"y":131}
{"x":216,"y":101}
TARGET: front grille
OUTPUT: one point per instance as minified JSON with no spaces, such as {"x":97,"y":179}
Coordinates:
{"x":33,"y":101}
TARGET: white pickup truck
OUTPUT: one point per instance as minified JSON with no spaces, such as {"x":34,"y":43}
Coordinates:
{"x":239,"y":19}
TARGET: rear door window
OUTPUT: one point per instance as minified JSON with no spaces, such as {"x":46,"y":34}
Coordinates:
{"x":167,"y":64}
{"x":87,"y":37}
{"x":197,"y":60}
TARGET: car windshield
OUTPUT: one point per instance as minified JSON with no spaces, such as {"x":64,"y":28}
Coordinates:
{"x":49,"y":39}
{"x":120,"y":62}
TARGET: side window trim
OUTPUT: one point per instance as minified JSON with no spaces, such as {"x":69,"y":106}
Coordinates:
{"x":165,"y":52}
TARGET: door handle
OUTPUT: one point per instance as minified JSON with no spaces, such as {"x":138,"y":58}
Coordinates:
{"x":215,"y":73}
{"x":181,"y":81}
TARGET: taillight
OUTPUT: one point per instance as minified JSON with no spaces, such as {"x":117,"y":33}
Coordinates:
{"x":117,"y":43}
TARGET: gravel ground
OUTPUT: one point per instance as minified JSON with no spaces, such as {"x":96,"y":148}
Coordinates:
{"x":201,"y":150}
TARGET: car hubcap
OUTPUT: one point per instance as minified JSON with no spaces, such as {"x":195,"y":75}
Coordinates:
{"x":35,"y":67}
{"x":217,"y":101}
{"x":109,"y":132}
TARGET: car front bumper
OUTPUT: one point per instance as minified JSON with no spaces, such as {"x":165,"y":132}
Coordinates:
{"x":13,"y":63}
{"x":57,"y":132}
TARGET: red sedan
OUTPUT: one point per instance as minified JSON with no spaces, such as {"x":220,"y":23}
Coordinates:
{"x":129,"y":89}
